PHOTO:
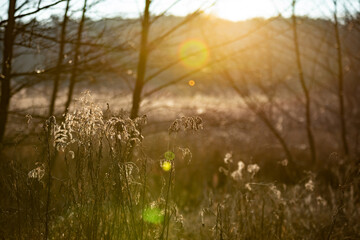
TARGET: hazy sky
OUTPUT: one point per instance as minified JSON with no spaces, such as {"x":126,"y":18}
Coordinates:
{"x":233,"y":10}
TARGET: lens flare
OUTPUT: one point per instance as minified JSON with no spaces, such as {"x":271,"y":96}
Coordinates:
{"x":169,"y":155}
{"x":166,"y":166}
{"x":153,"y":215}
{"x":194,"y":53}
{"x":191,"y":83}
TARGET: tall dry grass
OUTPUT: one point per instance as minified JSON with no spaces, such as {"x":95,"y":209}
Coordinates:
{"x":92,"y":178}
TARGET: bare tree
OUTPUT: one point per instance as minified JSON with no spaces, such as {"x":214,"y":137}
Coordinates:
{"x":10,"y":33}
{"x":340,"y":81}
{"x":6,"y":67}
{"x":143,"y":55}
{"x":261,"y":114}
{"x":74,"y":71}
{"x":60,"y":59}
{"x":304,"y":87}
{"x":146,"y":47}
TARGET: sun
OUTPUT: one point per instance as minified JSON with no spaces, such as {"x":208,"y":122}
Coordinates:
{"x":241,"y":10}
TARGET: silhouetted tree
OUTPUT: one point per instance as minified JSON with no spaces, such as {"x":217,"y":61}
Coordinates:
{"x":6,"y":67}
{"x":74,"y":70}
{"x":60,"y":59}
{"x":304,"y":87}
{"x":146,"y":47}
{"x":10,"y":34}
{"x":340,"y":81}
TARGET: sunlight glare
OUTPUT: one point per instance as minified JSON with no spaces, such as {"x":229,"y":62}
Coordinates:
{"x":242,"y":10}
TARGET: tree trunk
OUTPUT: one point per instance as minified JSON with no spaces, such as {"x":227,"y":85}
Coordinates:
{"x":143,"y":55}
{"x":60,"y":60}
{"x":6,"y":68}
{"x":76,"y":59}
{"x":304,"y":88}
{"x":340,"y":82}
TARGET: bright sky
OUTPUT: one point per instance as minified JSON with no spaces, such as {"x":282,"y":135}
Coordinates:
{"x":234,"y":10}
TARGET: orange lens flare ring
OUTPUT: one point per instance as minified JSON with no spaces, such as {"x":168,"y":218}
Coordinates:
{"x":191,"y":83}
{"x":194,"y":53}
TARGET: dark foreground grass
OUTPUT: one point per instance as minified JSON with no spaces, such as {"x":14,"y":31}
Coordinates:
{"x":91,"y":176}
